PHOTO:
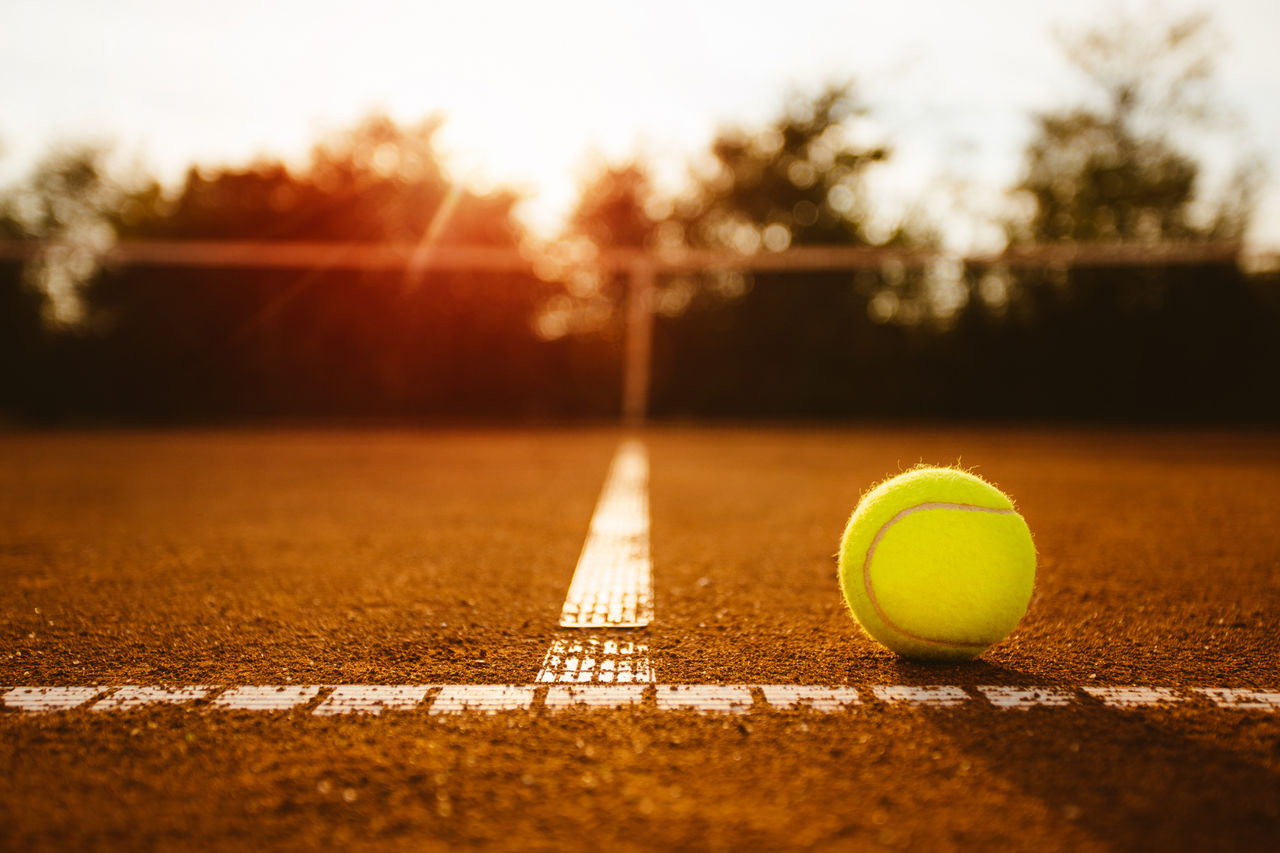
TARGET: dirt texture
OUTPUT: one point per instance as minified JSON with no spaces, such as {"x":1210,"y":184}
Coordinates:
{"x":442,"y":556}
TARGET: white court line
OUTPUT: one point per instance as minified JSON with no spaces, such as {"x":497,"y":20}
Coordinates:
{"x":1133,"y":696}
{"x":596,"y":661}
{"x":706,"y":698}
{"x":562,"y":697}
{"x":372,"y":699}
{"x":136,"y":696}
{"x":1238,"y":699}
{"x":482,"y":698}
{"x":44,"y":700}
{"x":612,"y":586}
{"x":266,"y":697}
{"x":1027,"y":697}
{"x":932,"y":695}
{"x":796,"y":696}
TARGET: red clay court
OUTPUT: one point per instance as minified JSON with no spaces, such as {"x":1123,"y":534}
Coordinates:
{"x":311,"y":637}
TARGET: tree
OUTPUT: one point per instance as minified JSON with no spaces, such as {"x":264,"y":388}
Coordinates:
{"x":72,"y":204}
{"x":612,"y":208}
{"x":197,"y":341}
{"x":782,"y":343}
{"x":611,"y":213}
{"x":1111,"y":170}
{"x":797,"y":181}
{"x":1138,"y":342}
{"x":377,"y":182}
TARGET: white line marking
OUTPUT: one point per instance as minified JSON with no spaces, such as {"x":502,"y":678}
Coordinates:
{"x":1022,"y":698}
{"x":372,"y":699}
{"x":45,"y":700}
{"x":595,"y":661}
{"x":562,"y":697}
{"x":934,"y":695}
{"x":1238,"y":699}
{"x":707,"y":698}
{"x":1134,"y":697}
{"x":482,"y":698}
{"x":136,"y":696}
{"x":612,"y":586}
{"x":794,"y":696}
{"x":266,"y":697}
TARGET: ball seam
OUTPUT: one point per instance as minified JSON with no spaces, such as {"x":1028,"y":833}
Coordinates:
{"x":871,"y":550}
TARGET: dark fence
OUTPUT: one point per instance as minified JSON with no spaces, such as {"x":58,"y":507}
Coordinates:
{"x":1170,"y":342}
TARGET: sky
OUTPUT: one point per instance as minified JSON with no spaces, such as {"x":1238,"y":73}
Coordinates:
{"x":534,"y":93}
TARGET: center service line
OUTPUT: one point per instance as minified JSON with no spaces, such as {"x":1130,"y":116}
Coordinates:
{"x":612,"y":586}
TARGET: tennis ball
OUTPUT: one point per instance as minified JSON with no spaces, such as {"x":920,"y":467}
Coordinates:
{"x":937,"y":564}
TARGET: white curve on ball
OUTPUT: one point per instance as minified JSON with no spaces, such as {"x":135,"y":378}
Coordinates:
{"x":866,"y":567}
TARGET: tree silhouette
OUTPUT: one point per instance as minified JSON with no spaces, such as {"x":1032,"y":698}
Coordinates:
{"x":1110,"y":170}
{"x":782,"y":343}
{"x":1136,"y":342}
{"x":611,"y":208}
{"x":196,"y":342}
{"x":797,"y":181}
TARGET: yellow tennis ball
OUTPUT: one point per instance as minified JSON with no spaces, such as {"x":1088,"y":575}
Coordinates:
{"x":937,"y":564}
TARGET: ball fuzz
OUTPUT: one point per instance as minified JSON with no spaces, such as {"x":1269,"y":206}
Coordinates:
{"x":937,"y":564}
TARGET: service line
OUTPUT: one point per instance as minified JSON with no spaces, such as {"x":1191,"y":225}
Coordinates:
{"x":442,"y":700}
{"x":612,"y":586}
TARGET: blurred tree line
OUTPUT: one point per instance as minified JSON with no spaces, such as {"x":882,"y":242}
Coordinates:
{"x":83,"y":338}
{"x":150,"y":341}
{"x":1160,"y":341}
{"x":1190,"y":341}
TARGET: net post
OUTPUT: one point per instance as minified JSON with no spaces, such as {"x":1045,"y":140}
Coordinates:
{"x":638,"y":347}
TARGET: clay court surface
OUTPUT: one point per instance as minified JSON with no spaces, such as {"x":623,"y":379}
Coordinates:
{"x":441,"y":558}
